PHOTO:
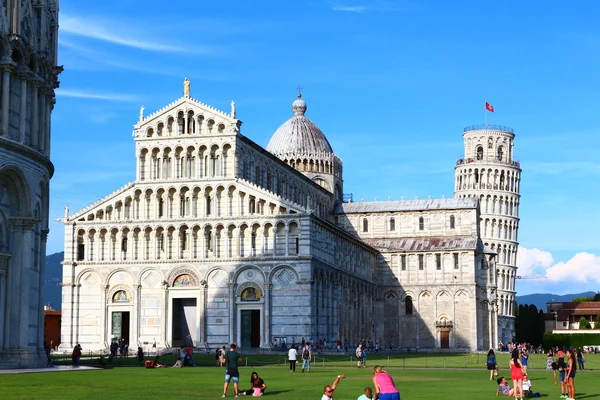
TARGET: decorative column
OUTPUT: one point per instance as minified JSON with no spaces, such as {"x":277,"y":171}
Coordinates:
{"x":267,"y":318}
{"x":7,"y":66}
{"x":23,"y":75}
{"x":231,"y":312}
{"x":34,"y":130}
{"x":495,"y":306}
{"x":42,"y":120}
{"x":166,"y":311}
{"x":490,"y":308}
{"x":48,"y":133}
{"x":3,"y":298}
{"x":287,"y":241}
{"x":42,"y":269}
{"x":104,"y":315}
{"x":203,"y":311}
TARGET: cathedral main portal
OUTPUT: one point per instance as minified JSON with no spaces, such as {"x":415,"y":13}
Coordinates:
{"x":250,"y":328}
{"x":184,"y":321}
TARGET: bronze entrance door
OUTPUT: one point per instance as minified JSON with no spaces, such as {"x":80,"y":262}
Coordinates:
{"x":250,"y":328}
{"x":445,"y":339}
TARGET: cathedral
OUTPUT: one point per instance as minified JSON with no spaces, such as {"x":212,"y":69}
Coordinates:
{"x":28,"y":47}
{"x":219,"y":240}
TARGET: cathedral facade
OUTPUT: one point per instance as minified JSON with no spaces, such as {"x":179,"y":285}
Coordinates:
{"x":219,"y":240}
{"x":28,"y":46}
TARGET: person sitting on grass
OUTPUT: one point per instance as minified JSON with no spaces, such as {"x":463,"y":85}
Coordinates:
{"x":257,"y":386}
{"x":368,"y":395}
{"x":526,"y":386}
{"x":178,"y":363}
{"x":503,"y":388}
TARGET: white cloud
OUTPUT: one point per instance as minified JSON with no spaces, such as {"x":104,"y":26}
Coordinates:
{"x":354,"y":9}
{"x":532,"y":261}
{"x":84,"y":94}
{"x":123,"y":33}
{"x":582,"y":267}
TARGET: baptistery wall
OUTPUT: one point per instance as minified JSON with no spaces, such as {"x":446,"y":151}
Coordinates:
{"x":28,"y":45}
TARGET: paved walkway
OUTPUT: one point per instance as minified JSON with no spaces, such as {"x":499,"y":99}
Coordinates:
{"x":59,"y":368}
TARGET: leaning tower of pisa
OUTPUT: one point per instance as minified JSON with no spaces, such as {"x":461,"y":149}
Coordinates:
{"x":490,"y":173}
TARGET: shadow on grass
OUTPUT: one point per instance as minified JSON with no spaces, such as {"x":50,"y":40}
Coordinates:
{"x":271,"y":392}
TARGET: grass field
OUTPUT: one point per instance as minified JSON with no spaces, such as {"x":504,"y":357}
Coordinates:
{"x":205,"y":382}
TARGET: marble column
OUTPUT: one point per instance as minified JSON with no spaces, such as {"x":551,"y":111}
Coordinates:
{"x":34,"y":130}
{"x":135,"y":318}
{"x":42,"y":269}
{"x":267,"y":319}
{"x":6,"y":71}
{"x":3,"y":297}
{"x":495,"y":343}
{"x":231,"y":312}
{"x":42,"y":122}
{"x":104,"y":316}
{"x":203,"y":311}
{"x":23,"y":109}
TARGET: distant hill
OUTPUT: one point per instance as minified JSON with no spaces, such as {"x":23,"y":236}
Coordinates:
{"x":53,"y":278}
{"x":540,"y":299}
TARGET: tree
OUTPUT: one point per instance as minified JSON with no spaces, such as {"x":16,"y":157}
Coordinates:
{"x":584,"y":323}
{"x":597,"y":324}
{"x":581,"y":299}
{"x":596,"y":297}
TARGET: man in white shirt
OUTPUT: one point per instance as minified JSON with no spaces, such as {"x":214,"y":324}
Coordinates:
{"x":359,"y":356}
{"x":292,"y":358}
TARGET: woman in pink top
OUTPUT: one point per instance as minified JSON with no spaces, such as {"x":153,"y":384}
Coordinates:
{"x":385,"y":389}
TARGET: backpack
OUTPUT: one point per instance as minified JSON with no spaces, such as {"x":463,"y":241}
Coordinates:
{"x":305,"y":354}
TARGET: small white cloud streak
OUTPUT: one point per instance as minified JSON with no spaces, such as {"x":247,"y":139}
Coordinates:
{"x":582,"y":267}
{"x":354,"y":9}
{"x":83,"y":94}
{"x":114,"y":33}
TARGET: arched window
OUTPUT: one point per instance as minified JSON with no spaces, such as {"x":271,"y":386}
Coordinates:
{"x":120,"y":297}
{"x":365,"y":225}
{"x":421,"y":223}
{"x":490,"y":143}
{"x":408,"y":305}
{"x":452,"y":222}
{"x":392,"y":224}
{"x":479,"y":152}
{"x":500,"y":154}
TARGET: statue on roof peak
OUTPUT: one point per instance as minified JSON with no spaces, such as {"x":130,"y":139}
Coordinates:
{"x":186,"y":87}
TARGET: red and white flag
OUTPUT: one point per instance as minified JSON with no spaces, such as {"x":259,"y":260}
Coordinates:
{"x":489,"y":107}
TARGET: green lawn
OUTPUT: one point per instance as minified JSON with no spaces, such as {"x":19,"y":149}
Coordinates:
{"x":205,"y":382}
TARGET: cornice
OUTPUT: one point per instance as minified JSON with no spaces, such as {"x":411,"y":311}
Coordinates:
{"x":26,"y":151}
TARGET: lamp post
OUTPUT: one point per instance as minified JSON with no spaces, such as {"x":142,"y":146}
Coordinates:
{"x":555,"y":320}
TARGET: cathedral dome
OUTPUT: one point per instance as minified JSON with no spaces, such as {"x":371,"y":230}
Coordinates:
{"x":299,"y":136}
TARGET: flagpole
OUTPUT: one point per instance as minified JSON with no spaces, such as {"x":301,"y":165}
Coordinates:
{"x":485,"y":111}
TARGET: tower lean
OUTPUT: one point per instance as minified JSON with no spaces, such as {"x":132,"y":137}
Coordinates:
{"x":489,"y":172}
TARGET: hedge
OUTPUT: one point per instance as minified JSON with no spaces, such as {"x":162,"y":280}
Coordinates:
{"x":571,"y":340}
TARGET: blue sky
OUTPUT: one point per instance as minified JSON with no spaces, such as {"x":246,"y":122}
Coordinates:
{"x":391,"y":83}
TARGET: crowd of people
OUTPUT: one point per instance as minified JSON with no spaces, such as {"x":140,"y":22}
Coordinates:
{"x":522,"y":386}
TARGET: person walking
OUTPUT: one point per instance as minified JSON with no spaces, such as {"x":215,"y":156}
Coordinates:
{"x":76,"y":356}
{"x":570,"y":374}
{"x":329,"y":389}
{"x":306,"y":357}
{"x":292,"y":358}
{"x":359,"y":356}
{"x":580,"y":359}
{"x":491,"y":364}
{"x":385,"y":388}
{"x":231,"y":372}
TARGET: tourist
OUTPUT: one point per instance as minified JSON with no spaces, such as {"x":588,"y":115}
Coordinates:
{"x":306,"y":357}
{"x":359,"y":356}
{"x":257,"y":386}
{"x":368,"y":394}
{"x":526,"y":386}
{"x":292,"y":358}
{"x":189,"y":356}
{"x":364,"y":357}
{"x":580,"y":359}
{"x":385,"y":389}
{"x":491,"y":364}
{"x":328,"y":390}
{"x":140,"y":355}
{"x":524,"y":359}
{"x":504,"y":388}
{"x":554,"y":369}
{"x":561,"y":373}
{"x":154,"y":345}
{"x":222,"y":356}
{"x":76,"y":354}
{"x":549,"y":360}
{"x":570,"y":374}
{"x":178,"y":363}
{"x":231,"y":372}
{"x":218,"y":357}
{"x":516,"y":373}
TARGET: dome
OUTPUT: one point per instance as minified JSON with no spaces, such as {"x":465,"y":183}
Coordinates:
{"x":299,"y":136}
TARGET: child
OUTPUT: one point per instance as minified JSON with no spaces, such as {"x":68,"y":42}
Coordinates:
{"x":526,"y":386}
{"x":368,"y":394}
